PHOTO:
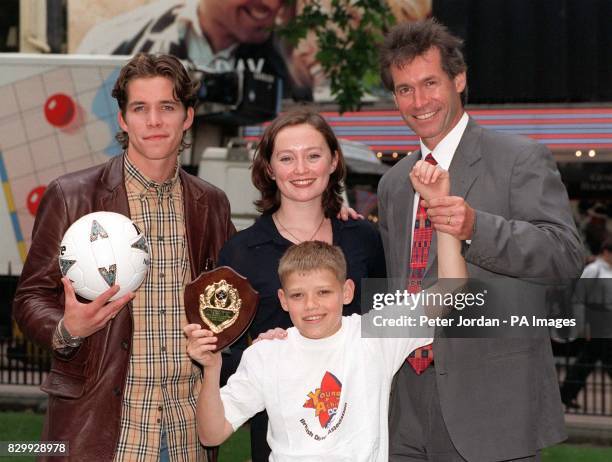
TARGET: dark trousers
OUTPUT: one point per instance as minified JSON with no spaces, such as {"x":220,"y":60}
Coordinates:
{"x":260,"y":451}
{"x":597,"y":349}
{"x":417,"y":431}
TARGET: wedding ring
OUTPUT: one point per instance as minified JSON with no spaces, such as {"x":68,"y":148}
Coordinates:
{"x":448,"y":220}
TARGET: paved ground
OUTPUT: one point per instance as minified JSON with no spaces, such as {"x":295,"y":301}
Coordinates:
{"x":589,"y":429}
{"x":19,"y":397}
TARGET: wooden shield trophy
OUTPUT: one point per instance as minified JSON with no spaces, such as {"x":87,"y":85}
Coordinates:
{"x":222,"y":301}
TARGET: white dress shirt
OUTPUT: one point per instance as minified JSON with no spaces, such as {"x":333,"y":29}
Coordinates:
{"x":443,"y":153}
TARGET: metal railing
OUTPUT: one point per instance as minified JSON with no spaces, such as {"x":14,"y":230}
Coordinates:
{"x":22,"y":362}
{"x":595,"y":396}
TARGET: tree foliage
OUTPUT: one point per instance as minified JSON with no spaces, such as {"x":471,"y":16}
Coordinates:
{"x":348,"y":36}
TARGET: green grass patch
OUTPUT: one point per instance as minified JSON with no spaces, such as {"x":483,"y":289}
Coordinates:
{"x":237,"y":448}
{"x":26,"y":426}
{"x":20,"y":426}
{"x":576,"y":453}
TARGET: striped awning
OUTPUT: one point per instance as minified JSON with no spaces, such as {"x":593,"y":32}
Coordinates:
{"x":560,"y":129}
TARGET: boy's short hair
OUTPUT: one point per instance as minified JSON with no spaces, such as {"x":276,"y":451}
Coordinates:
{"x":312,"y":256}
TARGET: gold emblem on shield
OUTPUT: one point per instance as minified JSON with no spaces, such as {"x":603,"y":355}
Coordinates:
{"x":219,"y":305}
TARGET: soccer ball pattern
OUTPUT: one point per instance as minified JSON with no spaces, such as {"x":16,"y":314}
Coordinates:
{"x":101,"y":249}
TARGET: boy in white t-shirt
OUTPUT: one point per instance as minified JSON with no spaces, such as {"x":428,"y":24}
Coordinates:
{"x":325,"y":388}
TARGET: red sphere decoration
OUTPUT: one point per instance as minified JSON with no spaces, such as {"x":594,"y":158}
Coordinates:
{"x":59,"y":109}
{"x":34,"y":198}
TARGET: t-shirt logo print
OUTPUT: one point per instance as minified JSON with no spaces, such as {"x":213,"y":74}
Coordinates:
{"x":325,"y":400}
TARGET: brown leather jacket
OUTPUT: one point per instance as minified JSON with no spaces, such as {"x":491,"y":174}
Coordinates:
{"x":86,"y":389}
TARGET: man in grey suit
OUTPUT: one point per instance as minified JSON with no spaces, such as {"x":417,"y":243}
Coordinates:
{"x":480,"y":399}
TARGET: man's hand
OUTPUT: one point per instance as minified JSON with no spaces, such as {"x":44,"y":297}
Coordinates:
{"x":451,"y":215}
{"x":271,"y":334}
{"x":430,"y":181}
{"x":84,"y":319}
{"x":200,"y":346}
{"x":347,"y":212}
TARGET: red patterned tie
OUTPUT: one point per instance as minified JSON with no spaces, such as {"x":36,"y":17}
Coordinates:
{"x":421,"y":358}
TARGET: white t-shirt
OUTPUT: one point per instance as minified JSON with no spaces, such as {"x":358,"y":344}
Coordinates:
{"x":327,"y":399}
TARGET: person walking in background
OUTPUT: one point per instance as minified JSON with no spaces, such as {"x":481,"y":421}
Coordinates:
{"x":593,"y":303}
{"x":469,"y":398}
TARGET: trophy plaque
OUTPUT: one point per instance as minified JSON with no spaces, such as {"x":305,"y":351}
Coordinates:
{"x":223,"y":302}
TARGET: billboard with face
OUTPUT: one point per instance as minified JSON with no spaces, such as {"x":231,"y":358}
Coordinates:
{"x":216,"y":35}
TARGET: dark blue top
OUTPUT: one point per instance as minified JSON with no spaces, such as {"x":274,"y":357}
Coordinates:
{"x":255,"y":252}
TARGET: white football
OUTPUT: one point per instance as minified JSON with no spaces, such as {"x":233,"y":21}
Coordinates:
{"x":102,"y":249}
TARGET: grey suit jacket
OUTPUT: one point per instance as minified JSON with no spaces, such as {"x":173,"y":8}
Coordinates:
{"x":499,"y":397}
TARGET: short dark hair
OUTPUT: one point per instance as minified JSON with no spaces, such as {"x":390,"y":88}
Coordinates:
{"x":407,"y":40}
{"x":312,"y":256}
{"x":146,"y":65}
{"x":270,"y":195}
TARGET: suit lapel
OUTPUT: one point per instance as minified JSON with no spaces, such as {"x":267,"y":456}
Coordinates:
{"x":195,"y":224}
{"x":112,"y":196}
{"x":464,"y":170}
{"x":465,"y":167}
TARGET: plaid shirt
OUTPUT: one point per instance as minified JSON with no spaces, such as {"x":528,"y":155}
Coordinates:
{"x":162,"y":384}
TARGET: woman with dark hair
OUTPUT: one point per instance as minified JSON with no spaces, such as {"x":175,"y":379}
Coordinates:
{"x":299,"y":170}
